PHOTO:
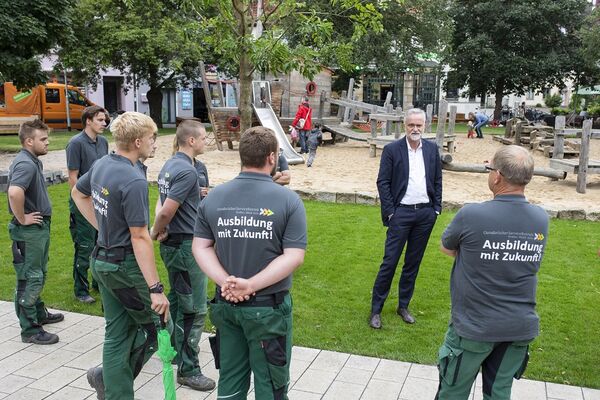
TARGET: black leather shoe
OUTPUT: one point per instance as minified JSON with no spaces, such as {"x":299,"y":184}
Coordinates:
{"x":41,"y":337}
{"x":52,"y":318}
{"x":96,"y":381}
{"x":405,"y":315}
{"x":197,"y":382}
{"x":375,"y":321}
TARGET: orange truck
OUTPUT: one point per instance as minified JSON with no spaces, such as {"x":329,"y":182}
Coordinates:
{"x":46,"y":102}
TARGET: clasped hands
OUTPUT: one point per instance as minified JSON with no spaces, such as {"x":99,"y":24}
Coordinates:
{"x":160,"y":236}
{"x":236,"y":289}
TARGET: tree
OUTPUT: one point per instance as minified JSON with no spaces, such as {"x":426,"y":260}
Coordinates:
{"x":28,"y":30}
{"x":156,"y":41}
{"x":590,"y":49}
{"x":502,"y":47}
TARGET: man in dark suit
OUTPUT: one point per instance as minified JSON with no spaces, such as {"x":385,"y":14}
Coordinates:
{"x":410,"y":191}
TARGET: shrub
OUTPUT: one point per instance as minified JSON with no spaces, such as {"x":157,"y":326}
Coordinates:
{"x":594,"y":110}
{"x":559,"y":111}
{"x":553,"y":101}
{"x":539,"y":105}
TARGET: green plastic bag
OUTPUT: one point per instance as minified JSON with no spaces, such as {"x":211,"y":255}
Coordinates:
{"x":166,"y":353}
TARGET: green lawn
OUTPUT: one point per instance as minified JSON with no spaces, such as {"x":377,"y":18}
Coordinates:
{"x":58,"y":139}
{"x":332,"y":290}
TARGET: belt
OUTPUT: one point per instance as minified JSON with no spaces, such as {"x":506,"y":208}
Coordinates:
{"x":265,"y":300}
{"x":415,"y":206}
{"x":175,"y":239}
{"x":113,"y":255}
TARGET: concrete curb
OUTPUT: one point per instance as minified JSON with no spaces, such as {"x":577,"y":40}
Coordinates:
{"x":373,"y":200}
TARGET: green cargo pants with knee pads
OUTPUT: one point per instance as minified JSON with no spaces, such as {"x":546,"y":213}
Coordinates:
{"x":130,"y":336}
{"x":30,"y":260}
{"x":257,"y":340}
{"x":84,"y":237}
{"x":187,"y":299}
{"x":460,"y":360}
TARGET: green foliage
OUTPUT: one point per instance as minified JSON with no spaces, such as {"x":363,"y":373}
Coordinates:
{"x":589,"y":51}
{"x":507,"y":47}
{"x":560,"y":111}
{"x":29,"y":29}
{"x":553,"y":100}
{"x":157,"y":41}
{"x":594,"y":110}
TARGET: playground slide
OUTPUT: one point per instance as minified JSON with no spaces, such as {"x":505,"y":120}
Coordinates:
{"x":268,"y":119}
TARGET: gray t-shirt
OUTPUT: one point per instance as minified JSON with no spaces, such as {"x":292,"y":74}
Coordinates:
{"x":252,"y":219}
{"x":27,"y":172}
{"x":202,"y":175}
{"x":500,"y":244}
{"x":282,"y":164}
{"x":120,"y":196}
{"x":82,"y":152}
{"x":178,"y":181}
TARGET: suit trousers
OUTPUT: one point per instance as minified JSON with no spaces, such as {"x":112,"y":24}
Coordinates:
{"x":408,"y":227}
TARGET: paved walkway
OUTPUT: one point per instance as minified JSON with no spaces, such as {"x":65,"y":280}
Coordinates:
{"x":32,"y":372}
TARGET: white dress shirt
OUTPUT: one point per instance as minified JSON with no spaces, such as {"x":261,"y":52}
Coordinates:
{"x":416,"y":191}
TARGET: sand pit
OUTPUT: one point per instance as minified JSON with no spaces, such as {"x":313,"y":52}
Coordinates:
{"x":347,"y":167}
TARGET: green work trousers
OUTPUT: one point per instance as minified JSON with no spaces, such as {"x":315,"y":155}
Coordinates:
{"x":84,"y":239}
{"x":460,"y":360}
{"x":187,"y":299}
{"x":30,"y":259}
{"x":257,"y":340}
{"x":130,"y":336}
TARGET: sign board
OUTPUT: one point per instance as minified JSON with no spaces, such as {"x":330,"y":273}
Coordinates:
{"x":186,"y":100}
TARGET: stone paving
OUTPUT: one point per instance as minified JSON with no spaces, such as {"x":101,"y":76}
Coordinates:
{"x":58,"y":372}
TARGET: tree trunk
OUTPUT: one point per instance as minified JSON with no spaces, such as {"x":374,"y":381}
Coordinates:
{"x":243,"y":14}
{"x":245,"y":106}
{"x":499,"y":95}
{"x":155,"y":98}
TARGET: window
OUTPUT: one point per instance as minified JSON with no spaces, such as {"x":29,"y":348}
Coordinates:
{"x":529,"y":95}
{"x":52,"y":96}
{"x":76,"y":98}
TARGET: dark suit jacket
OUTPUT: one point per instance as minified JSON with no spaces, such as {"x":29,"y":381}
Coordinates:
{"x":392,"y":179}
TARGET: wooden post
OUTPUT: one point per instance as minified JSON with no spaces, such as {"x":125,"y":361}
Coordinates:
{"x":442,"y":114}
{"x":584,"y":153}
{"x":452,"y":120}
{"x":399,"y":123}
{"x":429,"y":114}
{"x":518,"y":132}
{"x":373,"y":124}
{"x":321,"y":106}
{"x":508,"y":128}
{"x":388,"y":124}
{"x":559,"y":137}
{"x":209,"y":107}
{"x":340,"y":113}
{"x":349,"y":96}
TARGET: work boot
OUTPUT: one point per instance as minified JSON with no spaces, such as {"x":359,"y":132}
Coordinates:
{"x":42,"y":337}
{"x":96,"y":381}
{"x":86,"y":299}
{"x":197,"y":382}
{"x":52,"y":318}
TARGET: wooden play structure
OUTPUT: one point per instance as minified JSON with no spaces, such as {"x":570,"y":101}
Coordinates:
{"x":225,"y":121}
{"x":582,"y":166}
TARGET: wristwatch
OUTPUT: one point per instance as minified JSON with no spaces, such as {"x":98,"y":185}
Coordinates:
{"x":157,"y":288}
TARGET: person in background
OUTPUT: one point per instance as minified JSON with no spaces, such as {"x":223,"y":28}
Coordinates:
{"x":315,"y":137}
{"x":303,"y":123}
{"x":479,"y":120}
{"x":282,"y":175}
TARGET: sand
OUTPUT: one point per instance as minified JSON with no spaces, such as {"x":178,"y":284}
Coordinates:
{"x":347,"y":167}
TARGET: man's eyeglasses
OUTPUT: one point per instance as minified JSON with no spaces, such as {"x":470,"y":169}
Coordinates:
{"x":488,"y":169}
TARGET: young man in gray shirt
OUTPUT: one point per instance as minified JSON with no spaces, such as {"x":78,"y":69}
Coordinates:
{"x":29,"y":230}
{"x":82,"y":152}
{"x":498,"y":247}
{"x":250,"y":236}
{"x":179,"y":198}
{"x":113,"y":197}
